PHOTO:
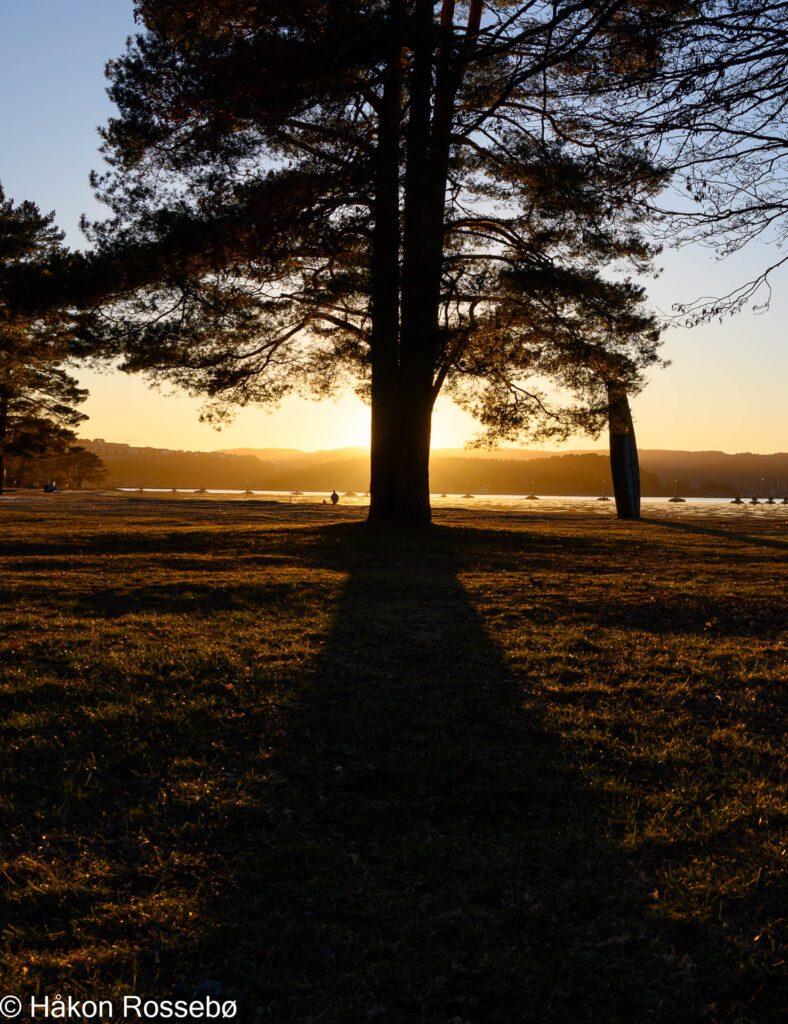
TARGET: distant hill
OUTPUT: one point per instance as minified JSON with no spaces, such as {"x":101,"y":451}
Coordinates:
{"x":274,"y":454}
{"x":294,"y":456}
{"x":453,"y":471}
{"x":266,"y":454}
{"x":714,"y":472}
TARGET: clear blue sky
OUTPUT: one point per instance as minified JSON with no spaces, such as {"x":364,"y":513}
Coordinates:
{"x":52,"y":56}
{"x":725,"y":390}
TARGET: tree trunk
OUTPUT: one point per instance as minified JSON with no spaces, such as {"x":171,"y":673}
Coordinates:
{"x":422,"y":253}
{"x":383,"y":453}
{"x":403,"y":391}
{"x":400,"y":455}
{"x":384,"y":274}
{"x":413,"y":457}
{"x":624,"y":466}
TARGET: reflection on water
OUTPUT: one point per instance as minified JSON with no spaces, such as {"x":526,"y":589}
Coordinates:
{"x":582,"y":505}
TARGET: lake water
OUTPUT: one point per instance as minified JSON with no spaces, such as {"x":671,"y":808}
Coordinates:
{"x":503,"y":502}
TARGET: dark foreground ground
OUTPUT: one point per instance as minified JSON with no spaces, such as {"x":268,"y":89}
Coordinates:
{"x":525,"y":768}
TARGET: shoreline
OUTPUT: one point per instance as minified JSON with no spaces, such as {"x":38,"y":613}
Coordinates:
{"x":311,"y":506}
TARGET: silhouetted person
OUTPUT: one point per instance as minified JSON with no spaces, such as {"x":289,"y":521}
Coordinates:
{"x":334,"y":497}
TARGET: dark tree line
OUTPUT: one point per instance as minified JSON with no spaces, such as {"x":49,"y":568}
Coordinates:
{"x":68,"y":465}
{"x":38,"y":336}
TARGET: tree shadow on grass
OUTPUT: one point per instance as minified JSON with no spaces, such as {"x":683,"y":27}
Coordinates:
{"x":429,"y":854}
{"x":387,"y":833}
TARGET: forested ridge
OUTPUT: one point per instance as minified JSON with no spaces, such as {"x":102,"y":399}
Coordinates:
{"x":453,"y":470}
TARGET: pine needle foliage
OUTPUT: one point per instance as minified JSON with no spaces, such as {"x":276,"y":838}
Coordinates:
{"x":397,"y":194}
{"x":38,"y":396}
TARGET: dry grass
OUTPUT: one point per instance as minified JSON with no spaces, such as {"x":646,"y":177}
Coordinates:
{"x":518,"y":769}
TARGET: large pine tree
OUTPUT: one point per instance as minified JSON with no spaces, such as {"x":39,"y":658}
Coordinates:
{"x":309,"y":193}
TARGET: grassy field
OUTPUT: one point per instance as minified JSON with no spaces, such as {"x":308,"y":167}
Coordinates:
{"x":520,"y":768}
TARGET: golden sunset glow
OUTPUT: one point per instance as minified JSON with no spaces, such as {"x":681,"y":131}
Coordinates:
{"x":123,"y":408}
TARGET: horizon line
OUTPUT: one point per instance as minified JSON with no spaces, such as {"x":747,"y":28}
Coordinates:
{"x":440,"y":448}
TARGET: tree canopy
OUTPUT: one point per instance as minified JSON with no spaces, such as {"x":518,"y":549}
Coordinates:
{"x":404,"y":195}
{"x":37,"y":336}
{"x":714,"y":110}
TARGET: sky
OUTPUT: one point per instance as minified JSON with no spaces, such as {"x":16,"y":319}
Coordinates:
{"x":724,"y":390}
